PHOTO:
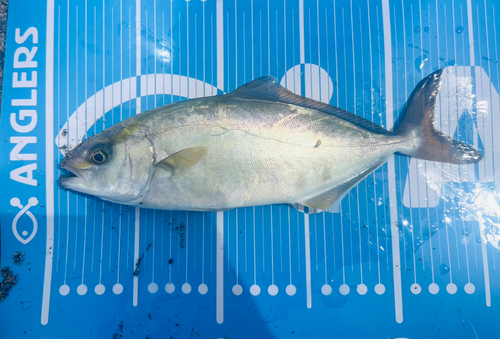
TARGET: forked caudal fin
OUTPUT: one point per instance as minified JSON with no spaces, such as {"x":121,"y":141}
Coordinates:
{"x":424,"y":141}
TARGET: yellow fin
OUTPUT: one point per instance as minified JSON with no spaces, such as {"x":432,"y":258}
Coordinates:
{"x":180,"y":163}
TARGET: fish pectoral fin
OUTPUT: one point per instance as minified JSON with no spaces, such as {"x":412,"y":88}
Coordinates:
{"x":330,"y":200}
{"x":180,"y":163}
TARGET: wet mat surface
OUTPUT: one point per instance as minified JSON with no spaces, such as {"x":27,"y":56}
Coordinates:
{"x":412,"y":253}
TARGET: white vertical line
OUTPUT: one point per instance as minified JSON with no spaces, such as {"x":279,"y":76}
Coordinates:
{"x":129,"y":114}
{"x":371,"y":108}
{"x":336,"y":51}
{"x":119,"y":244}
{"x":254,"y":251}
{"x":86,"y":129}
{"x":204,"y":44}
{"x":68,"y":137}
{"x":483,"y":243}
{"x":355,"y":112}
{"x":235,"y":44}
{"x":308,"y":260}
{"x":171,"y":62}
{"x":399,"y":186}
{"x":487,"y":289}
{"x":187,"y":243}
{"x":268,"y":40}
{"x":220,"y":45}
{"x":77,"y":130}
{"x":95,"y":129}
{"x":251,"y":28}
{"x":154,"y":246}
{"x":289,"y":246}
{"x":324,"y":249}
{"x":170,"y":246}
{"x":272,"y":246}
{"x":136,"y":255}
{"x":328,"y":70}
{"x":396,"y":260}
{"x":342,"y":238}
{"x":281,"y":240}
{"x":49,"y":160}
{"x":138,"y":110}
{"x":471,"y":33}
{"x":237,"y":246}
{"x":58,"y":124}
{"x":220,"y":268}
{"x":203,"y":246}
{"x":301,"y":32}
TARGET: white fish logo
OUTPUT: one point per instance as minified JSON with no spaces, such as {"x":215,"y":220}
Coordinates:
{"x":15,"y":202}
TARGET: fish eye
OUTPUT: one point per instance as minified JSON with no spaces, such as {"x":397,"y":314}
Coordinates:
{"x":99,"y":156}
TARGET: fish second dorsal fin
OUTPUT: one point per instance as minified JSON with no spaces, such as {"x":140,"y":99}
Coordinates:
{"x":268,"y":88}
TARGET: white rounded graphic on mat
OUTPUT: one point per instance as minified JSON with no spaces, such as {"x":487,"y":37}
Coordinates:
{"x":379,"y":289}
{"x":237,"y":289}
{"x":82,"y":289}
{"x":415,"y":288}
{"x":64,"y":289}
{"x":362,"y":289}
{"x":203,"y":289}
{"x":255,"y":289}
{"x":469,"y":288}
{"x":318,"y":84}
{"x":152,"y":288}
{"x":117,"y":288}
{"x":105,"y":100}
{"x":169,"y":288}
{"x":344,"y":289}
{"x":326,"y":289}
{"x":272,"y":290}
{"x":291,"y":290}
{"x":451,"y":288}
{"x":99,"y":289}
{"x":433,"y":288}
{"x":186,"y":288}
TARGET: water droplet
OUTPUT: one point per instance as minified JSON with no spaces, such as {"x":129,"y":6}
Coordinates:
{"x":426,"y":29}
{"x":466,"y":233}
{"x":459,"y":29}
{"x":25,"y":305}
{"x":416,"y":29}
{"x":444,"y":269}
{"x":478,"y":240}
{"x":459,"y":309}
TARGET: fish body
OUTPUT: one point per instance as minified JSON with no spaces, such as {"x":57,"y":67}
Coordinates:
{"x":258,"y":145}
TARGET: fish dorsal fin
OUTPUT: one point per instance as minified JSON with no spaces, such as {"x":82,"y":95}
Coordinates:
{"x":183,"y":161}
{"x":329,"y":200}
{"x":268,"y":88}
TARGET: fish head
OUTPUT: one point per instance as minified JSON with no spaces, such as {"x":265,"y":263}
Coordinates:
{"x":115,"y":165}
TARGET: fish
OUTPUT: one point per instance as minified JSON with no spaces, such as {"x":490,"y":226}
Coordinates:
{"x":258,"y":145}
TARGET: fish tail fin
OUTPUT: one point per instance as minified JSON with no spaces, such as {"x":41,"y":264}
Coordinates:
{"x":423,"y":140}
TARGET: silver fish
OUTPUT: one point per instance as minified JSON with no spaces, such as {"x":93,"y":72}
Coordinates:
{"x":258,"y":145}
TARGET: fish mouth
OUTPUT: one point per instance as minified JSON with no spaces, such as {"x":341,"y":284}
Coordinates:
{"x":74,"y":179}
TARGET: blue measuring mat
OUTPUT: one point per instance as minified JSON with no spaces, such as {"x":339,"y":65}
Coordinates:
{"x":412,"y":253}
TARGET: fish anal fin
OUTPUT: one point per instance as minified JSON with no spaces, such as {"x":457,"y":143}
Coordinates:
{"x":329,"y":200}
{"x":180,"y":163}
